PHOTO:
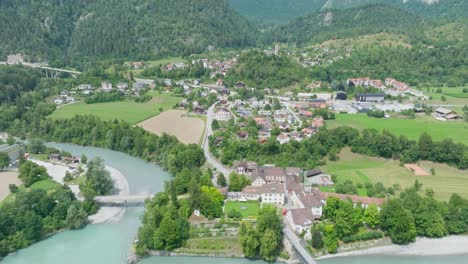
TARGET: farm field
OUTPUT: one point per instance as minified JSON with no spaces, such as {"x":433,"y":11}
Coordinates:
{"x":364,"y":169}
{"x":128,"y":111}
{"x":412,"y":128}
{"x":7,"y":178}
{"x":187,"y":129}
{"x":247,"y":209}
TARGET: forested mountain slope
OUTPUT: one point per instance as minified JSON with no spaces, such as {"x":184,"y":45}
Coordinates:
{"x":275,"y":12}
{"x":330,"y":24}
{"x":119,"y":28}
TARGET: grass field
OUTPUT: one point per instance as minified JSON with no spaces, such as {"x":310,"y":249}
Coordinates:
{"x":412,"y":128}
{"x":247,"y":209}
{"x":47,"y":185}
{"x":188,"y":130}
{"x":128,"y":111}
{"x":212,"y":246}
{"x":453,"y":95}
{"x":364,"y":169}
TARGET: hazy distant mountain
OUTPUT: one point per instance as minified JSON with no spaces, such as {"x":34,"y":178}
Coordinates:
{"x":340,"y":23}
{"x":119,"y":28}
{"x":263,"y":12}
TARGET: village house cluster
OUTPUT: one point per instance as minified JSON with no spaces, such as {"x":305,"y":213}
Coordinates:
{"x":293,"y":189}
{"x":324,"y":55}
{"x":391,"y":87}
{"x":133,"y":89}
{"x":217,"y":67}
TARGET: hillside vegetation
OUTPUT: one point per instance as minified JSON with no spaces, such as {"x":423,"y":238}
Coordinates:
{"x":418,"y":64}
{"x":259,"y":70}
{"x":275,"y":12}
{"x":139,"y":29}
{"x":330,"y":24}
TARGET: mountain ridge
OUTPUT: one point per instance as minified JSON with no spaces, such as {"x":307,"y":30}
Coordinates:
{"x":140,"y":29}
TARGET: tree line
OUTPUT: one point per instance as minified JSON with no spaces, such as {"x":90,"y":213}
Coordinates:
{"x":402,"y":219}
{"x":310,"y":152}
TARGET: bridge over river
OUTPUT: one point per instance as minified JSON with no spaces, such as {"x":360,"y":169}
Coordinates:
{"x":51,"y":72}
{"x":298,"y":246}
{"x":123,"y":200}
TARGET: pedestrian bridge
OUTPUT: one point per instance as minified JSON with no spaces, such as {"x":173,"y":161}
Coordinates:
{"x":123,"y":200}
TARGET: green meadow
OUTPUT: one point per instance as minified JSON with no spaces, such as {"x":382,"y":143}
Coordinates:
{"x":364,"y":169}
{"x":128,"y":111}
{"x":412,"y":128}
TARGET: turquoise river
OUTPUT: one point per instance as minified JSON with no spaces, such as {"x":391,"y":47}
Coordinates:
{"x":109,"y":243}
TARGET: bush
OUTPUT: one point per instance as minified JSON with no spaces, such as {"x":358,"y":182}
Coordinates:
{"x":363,"y":236}
{"x":143,"y":98}
{"x":376,"y":114}
{"x":104,"y":97}
{"x":13,"y":188}
{"x":233,"y":213}
{"x":68,"y":177}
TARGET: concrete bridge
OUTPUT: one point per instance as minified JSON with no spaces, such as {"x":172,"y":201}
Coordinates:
{"x":123,"y":200}
{"x":51,"y":72}
{"x":298,"y":247}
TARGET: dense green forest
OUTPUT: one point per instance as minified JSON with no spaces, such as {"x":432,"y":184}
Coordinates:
{"x":259,"y":70}
{"x":22,"y":97}
{"x":415,"y":65}
{"x":265,"y":13}
{"x":331,"y":24}
{"x":140,"y":29}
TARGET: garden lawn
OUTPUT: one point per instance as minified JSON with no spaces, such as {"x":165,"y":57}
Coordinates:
{"x":247,"y":209}
{"x":363,"y":169}
{"x":128,"y":111}
{"x":412,"y":128}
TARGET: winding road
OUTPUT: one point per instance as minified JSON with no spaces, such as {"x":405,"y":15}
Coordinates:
{"x":206,"y":146}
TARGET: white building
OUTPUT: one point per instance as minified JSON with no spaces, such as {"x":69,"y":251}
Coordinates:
{"x":15,"y":59}
{"x":267,"y":193}
{"x":106,"y":86}
{"x":222,"y":114}
{"x":283,"y":138}
{"x":122,"y":86}
{"x":300,"y":220}
{"x":58,"y":101}
{"x":311,"y":201}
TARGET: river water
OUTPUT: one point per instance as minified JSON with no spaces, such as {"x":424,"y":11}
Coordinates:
{"x":110,"y":243}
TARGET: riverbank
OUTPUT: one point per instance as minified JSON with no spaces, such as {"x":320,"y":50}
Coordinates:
{"x":109,"y":214}
{"x":449,"y":245}
{"x":105,"y":214}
